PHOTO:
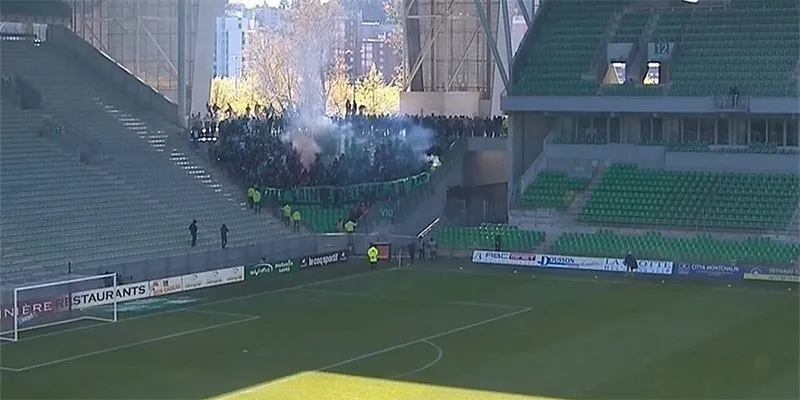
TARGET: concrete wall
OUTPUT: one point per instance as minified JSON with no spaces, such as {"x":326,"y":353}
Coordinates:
{"x":485,"y":168}
{"x":644,"y":156}
{"x":577,"y":159}
{"x":487,"y":144}
{"x":766,"y":163}
{"x":475,"y":205}
{"x":440,"y":103}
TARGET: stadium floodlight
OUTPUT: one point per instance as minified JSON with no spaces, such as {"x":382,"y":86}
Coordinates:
{"x":92,"y":298}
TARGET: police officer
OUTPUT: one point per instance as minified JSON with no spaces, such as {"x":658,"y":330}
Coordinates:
{"x":372,"y":256}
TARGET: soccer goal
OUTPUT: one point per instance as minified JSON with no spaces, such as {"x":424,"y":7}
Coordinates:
{"x":88,"y":298}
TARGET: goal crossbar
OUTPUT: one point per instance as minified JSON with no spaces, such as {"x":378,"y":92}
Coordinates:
{"x":24,"y":310}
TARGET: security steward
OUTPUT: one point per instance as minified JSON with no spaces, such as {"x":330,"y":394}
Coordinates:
{"x":372,"y":255}
{"x":296,"y":217}
{"x":287,"y":214}
{"x":257,"y":200}
{"x":350,"y":228}
{"x":250,"y":191}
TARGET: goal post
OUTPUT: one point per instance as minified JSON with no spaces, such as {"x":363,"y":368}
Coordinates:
{"x":44,"y":305}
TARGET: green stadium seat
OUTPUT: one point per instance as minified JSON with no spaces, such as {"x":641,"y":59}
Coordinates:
{"x":628,"y":195}
{"x":552,"y":190}
{"x":483,"y":237}
{"x":751,"y":44}
{"x":698,"y":249}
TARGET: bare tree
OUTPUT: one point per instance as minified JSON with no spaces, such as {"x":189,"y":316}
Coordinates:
{"x":271,"y":66}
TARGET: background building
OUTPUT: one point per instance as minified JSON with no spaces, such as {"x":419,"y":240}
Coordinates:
{"x":143,"y":35}
{"x":229,"y":42}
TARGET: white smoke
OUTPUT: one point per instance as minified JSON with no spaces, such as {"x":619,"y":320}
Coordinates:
{"x":309,"y":130}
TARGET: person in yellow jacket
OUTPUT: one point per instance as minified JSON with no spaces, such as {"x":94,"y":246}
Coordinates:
{"x":250,"y":192}
{"x":257,"y":200}
{"x":296,"y":220}
{"x":287,"y":214}
{"x":372,"y":256}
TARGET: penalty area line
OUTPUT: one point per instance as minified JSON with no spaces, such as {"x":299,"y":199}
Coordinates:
{"x":133,"y":344}
{"x":376,"y":353}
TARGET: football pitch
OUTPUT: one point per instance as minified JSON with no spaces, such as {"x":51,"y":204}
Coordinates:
{"x":433,"y":332}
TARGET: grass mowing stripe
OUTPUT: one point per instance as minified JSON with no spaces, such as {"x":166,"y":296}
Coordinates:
{"x":211,"y":303}
{"x":134,"y":344}
{"x":400,"y":298}
{"x":376,"y":353}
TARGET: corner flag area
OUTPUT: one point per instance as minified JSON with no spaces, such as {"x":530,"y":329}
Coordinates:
{"x":438,"y":332}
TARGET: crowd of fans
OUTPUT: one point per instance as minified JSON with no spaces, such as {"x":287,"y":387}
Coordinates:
{"x":286,"y":150}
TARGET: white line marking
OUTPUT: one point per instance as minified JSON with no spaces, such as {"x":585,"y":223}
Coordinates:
{"x":210,"y":303}
{"x":10,"y":369}
{"x":222,"y":313}
{"x":134,"y":344}
{"x":375,"y":353}
{"x":410,"y":299}
{"x":439,"y":354}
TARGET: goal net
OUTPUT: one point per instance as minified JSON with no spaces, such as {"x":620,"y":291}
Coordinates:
{"x":89,"y":298}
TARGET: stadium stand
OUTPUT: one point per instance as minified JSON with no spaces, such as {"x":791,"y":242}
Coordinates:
{"x":131,"y":140}
{"x":698,"y":249}
{"x":750,"y":44}
{"x":731,"y":201}
{"x":554,"y":62}
{"x":360,"y":159}
{"x":54,"y":206}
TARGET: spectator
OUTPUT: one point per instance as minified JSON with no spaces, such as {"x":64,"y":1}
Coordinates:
{"x":223,"y":235}
{"x":193,"y":232}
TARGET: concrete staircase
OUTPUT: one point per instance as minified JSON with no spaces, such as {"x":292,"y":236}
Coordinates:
{"x":147,"y":160}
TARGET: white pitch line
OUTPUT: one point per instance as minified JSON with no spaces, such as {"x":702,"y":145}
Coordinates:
{"x":10,"y":369}
{"x":410,"y":299}
{"x":439,"y":354}
{"x":210,"y":303}
{"x":375,"y":353}
{"x":134,"y":344}
{"x":222,"y":313}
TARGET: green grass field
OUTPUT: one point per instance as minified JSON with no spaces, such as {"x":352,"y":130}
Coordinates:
{"x":428,"y":332}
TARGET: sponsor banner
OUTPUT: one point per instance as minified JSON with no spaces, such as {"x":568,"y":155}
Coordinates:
{"x":213,"y":278}
{"x":265,"y":269}
{"x":504,"y":258}
{"x":714,"y":271}
{"x":165,"y":286}
{"x":322,"y":260}
{"x":788,"y":275}
{"x":99,"y":297}
{"x":645,"y":266}
{"x":29,"y":309}
{"x":568,"y":262}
